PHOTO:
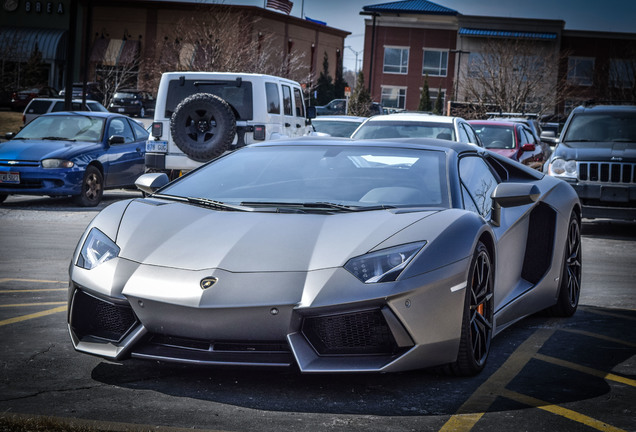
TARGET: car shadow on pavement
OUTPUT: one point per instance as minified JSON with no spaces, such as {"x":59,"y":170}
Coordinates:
{"x":65,"y":203}
{"x":552,"y":361}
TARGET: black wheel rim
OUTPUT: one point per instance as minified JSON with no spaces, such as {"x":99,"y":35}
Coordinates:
{"x":93,"y":187}
{"x":200,"y":126}
{"x":481,"y":308}
{"x":573,"y":263}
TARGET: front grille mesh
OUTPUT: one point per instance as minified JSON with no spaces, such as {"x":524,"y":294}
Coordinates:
{"x":98,"y":318}
{"x":607,"y":172}
{"x":364,"y":332}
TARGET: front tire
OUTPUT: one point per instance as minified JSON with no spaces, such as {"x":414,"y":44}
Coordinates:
{"x":570,"y":286}
{"x":477,"y":318}
{"x":92,"y":188}
{"x":3,"y":197}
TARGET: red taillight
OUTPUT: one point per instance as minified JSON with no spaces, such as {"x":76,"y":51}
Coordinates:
{"x":157,"y":129}
{"x":259,"y":132}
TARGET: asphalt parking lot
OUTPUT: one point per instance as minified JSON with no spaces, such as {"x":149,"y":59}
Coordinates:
{"x":544,"y":374}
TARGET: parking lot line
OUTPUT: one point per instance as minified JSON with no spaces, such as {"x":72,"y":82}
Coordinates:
{"x":33,"y":315}
{"x":599,"y":336}
{"x":560,"y":411}
{"x":31,"y":290}
{"x":585,"y":369}
{"x":29,"y":280}
{"x":33,"y":304}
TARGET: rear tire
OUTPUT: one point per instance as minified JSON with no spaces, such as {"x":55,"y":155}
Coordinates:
{"x":477,"y":318}
{"x":570,"y":284}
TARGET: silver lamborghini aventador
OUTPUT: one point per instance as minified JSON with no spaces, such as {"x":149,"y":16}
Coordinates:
{"x":328,"y":255}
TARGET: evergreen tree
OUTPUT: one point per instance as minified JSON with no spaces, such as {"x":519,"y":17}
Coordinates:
{"x":339,"y":82}
{"x":360,"y":101}
{"x":325,"y":86}
{"x":34,"y":71}
{"x":439,"y":107}
{"x":425,"y":97}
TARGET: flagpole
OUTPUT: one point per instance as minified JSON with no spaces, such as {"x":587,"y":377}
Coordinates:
{"x":302,"y":9}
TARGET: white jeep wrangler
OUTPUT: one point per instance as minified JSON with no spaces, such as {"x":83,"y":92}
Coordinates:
{"x":201,"y":115}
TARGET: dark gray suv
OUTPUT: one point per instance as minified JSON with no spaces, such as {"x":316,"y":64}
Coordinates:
{"x":596,"y":154}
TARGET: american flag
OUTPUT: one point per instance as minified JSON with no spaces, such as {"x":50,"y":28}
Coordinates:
{"x":281,"y":5}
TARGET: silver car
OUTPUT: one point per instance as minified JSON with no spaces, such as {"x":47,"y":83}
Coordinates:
{"x":330,"y":255}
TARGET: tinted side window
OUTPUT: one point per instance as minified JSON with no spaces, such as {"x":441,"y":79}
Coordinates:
{"x":298,"y":100}
{"x":463,"y":136}
{"x":121,"y":127}
{"x":273,"y":98}
{"x":472,"y":137}
{"x":479,"y":181}
{"x":237,"y":93}
{"x":38,"y":107}
{"x":287,"y":100}
{"x":140,"y":132}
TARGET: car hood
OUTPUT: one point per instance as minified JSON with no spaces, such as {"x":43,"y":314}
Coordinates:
{"x":36,"y":150}
{"x":190,"y":237}
{"x":596,"y":151}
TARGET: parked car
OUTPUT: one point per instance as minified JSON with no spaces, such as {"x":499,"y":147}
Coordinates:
{"x":21,"y":98}
{"x":512,"y":140}
{"x":330,"y":255}
{"x":596,"y":154}
{"x":93,"y":91}
{"x":339,"y":107}
{"x":201,"y":115}
{"x":417,"y":125}
{"x":39,"y":106}
{"x":132,"y":102}
{"x":337,"y":126}
{"x":72,"y":153}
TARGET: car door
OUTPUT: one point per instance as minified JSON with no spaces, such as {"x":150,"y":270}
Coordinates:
{"x":125,"y":160}
{"x":289,"y":119}
{"x":299,"y":123}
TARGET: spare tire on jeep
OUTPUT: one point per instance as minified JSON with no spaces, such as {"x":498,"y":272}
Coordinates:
{"x":203,"y":126}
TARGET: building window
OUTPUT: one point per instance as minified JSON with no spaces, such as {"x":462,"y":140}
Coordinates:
{"x":435,"y":62}
{"x":394,"y":97}
{"x":433,"y":94}
{"x":396,"y":60}
{"x":580,"y":71}
{"x":622,"y":73}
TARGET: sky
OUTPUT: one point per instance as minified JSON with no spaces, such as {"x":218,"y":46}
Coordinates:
{"x":592,"y":15}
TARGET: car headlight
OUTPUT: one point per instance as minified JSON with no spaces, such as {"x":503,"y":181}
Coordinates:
{"x":385,"y":265}
{"x":562,"y":168}
{"x":97,"y":249}
{"x":57,"y":163}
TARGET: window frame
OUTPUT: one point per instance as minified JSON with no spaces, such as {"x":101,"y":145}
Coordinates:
{"x":440,"y":69}
{"x":573,"y":77}
{"x":400,"y":96}
{"x":401,"y":68}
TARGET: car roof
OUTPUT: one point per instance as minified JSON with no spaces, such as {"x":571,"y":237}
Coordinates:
{"x":85,"y":113}
{"x":494,"y":123}
{"x":413,"y":117}
{"x":606,"y":108}
{"x":344,"y":118}
{"x":413,"y":143}
{"x":61,"y":99}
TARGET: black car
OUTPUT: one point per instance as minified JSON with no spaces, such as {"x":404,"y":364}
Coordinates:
{"x":93,"y":91}
{"x":132,"y":102}
{"x":596,"y":154}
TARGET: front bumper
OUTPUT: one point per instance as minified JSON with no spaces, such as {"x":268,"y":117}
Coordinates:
{"x":615,"y":201}
{"x":42,"y":181}
{"x":321,"y":321}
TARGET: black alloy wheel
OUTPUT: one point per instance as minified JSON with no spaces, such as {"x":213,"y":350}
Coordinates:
{"x":570,"y":286}
{"x":477,"y":322}
{"x":92,"y":188}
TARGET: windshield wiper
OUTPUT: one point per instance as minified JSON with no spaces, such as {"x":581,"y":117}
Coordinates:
{"x":217,"y":204}
{"x":54,"y":138}
{"x":320,"y":205}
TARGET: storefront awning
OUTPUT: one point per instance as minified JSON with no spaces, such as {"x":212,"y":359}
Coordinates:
{"x":512,"y":34}
{"x":114,"y":52}
{"x":18,"y":44}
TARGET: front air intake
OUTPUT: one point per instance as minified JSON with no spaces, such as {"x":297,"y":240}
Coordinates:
{"x":92,"y":316}
{"x":364,"y":332}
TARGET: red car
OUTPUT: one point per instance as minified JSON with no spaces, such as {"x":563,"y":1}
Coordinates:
{"x":21,"y":98}
{"x":510,"y":139}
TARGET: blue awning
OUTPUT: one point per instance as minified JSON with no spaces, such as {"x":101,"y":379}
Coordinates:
{"x":18,"y":44}
{"x":506,"y":34}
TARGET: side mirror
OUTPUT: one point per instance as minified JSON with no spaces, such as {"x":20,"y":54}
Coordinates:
{"x":527,"y":147}
{"x":151,"y":182}
{"x":512,"y":195}
{"x":9,"y":135}
{"x":116,"y":139}
{"x":311,"y":112}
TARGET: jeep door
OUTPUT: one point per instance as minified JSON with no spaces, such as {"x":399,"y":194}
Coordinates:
{"x":289,"y":119}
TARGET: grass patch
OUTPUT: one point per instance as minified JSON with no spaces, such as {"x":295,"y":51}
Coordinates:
{"x":10,"y":121}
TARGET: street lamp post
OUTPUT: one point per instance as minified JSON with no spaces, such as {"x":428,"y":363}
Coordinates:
{"x":459,"y":53}
{"x":356,"y":53}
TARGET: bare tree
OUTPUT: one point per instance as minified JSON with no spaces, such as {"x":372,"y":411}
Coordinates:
{"x":113,"y":78}
{"x":514,"y":76}
{"x":222,"y":39}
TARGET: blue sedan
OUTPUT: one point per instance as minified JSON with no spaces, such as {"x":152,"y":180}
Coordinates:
{"x":73,"y":153}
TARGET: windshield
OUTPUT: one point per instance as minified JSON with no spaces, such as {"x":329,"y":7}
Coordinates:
{"x":335,"y":128}
{"x":70,"y":127}
{"x":346,"y":176}
{"x":496,"y":137}
{"x":404,"y":129}
{"x":124,"y":95}
{"x":602,"y":127}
